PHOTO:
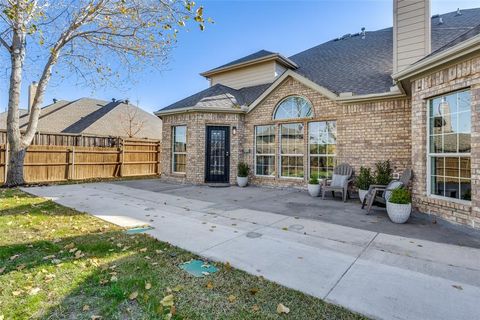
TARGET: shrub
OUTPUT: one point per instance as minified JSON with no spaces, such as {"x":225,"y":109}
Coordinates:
{"x":400,"y":196}
{"x":243,"y":169}
{"x":313,"y":180}
{"x":383,"y":172}
{"x":364,"y":179}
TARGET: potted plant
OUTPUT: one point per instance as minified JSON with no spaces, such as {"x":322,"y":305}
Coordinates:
{"x":314,"y":186}
{"x":383,"y":172}
{"x":399,"y":205}
{"x":363,"y":182}
{"x":242,"y":174}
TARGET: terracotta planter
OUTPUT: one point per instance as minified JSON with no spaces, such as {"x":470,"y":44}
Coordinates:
{"x":314,"y":189}
{"x":362,"y":194}
{"x":399,"y":213}
{"x":242,"y":181}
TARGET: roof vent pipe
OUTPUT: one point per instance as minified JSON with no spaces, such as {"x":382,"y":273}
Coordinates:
{"x":363,"y":33}
{"x":113,"y":99}
{"x":459,"y":13}
{"x":440,"y":20}
{"x":55,"y":100}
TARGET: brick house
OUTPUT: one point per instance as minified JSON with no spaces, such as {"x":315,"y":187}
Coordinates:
{"x":410,"y":94}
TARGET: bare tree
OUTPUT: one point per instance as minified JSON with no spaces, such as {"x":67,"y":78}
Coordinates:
{"x":131,"y":121}
{"x":96,"y":40}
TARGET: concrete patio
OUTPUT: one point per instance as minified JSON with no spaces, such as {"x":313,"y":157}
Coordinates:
{"x":329,"y":249}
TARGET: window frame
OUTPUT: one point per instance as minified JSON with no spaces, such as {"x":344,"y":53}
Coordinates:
{"x":326,"y":155}
{"x":177,"y":152}
{"x":430,"y":155}
{"x":293,"y":119}
{"x":280,"y":155}
{"x":255,"y":154}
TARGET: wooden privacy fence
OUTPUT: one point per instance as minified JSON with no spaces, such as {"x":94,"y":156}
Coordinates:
{"x":125,"y":158}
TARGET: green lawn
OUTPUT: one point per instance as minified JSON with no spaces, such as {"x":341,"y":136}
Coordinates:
{"x":57,"y":263}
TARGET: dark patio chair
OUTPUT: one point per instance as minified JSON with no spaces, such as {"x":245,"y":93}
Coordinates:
{"x":341,"y":179}
{"x":381,"y":193}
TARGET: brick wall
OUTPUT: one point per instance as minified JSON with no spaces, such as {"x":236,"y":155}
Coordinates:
{"x":366,"y":132}
{"x":464,"y":74}
{"x":196,"y":129}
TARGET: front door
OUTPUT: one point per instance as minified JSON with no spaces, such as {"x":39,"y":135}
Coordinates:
{"x":217,"y":167}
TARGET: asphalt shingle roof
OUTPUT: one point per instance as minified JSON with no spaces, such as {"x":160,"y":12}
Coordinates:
{"x":92,"y":116}
{"x":350,"y":64}
{"x":364,"y":66}
{"x":220,"y":97}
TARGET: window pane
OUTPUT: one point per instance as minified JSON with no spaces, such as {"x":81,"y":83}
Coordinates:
{"x":438,"y":186}
{"x":465,"y":168}
{"x":292,"y":166}
{"x":292,"y":138}
{"x":292,"y":108}
{"x":450,"y":143}
{"x":180,"y":139}
{"x":265,"y":165}
{"x":436,"y":144}
{"x":465,"y":189}
{"x":438,"y":166}
{"x":464,"y":122}
{"x":452,"y":187}
{"x":464,"y":102}
{"x":265,"y":139}
{"x":179,"y":162}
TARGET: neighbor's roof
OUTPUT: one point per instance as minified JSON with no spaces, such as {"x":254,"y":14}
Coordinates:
{"x":92,"y":116}
{"x":219,"y":97}
{"x":259,"y":56}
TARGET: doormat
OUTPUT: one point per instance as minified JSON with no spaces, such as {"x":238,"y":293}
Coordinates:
{"x":198,"y":268}
{"x":138,"y":230}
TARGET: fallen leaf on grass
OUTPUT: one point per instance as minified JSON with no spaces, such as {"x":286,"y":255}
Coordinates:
{"x":2,"y":270}
{"x":96,"y":317}
{"x":209,"y":285}
{"x":79,"y":254}
{"x":20,"y":267}
{"x":34,"y":291}
{"x":15,"y":256}
{"x":148,"y":286}
{"x":113,"y":279}
{"x":17,"y":293}
{"x":49,"y":257}
{"x":143,"y":250}
{"x":167,"y":301}
{"x":254,"y":291}
{"x":133,"y":295}
{"x":69,"y":246}
{"x":282,"y":309}
{"x":255,"y":308}
{"x":86,"y":308}
{"x":228,"y":266}
{"x":231,"y":298}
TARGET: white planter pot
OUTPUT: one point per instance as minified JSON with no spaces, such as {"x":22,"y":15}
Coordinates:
{"x":314,"y":189}
{"x":399,"y":213}
{"x":362,"y":194}
{"x":242,"y":181}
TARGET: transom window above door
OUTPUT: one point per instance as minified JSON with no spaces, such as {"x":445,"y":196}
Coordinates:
{"x":293,"y":107}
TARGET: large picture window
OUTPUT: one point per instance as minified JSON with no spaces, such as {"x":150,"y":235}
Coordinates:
{"x":322,"y":139}
{"x":291,"y":150}
{"x":449,"y":130}
{"x":179,"y":149}
{"x":265,"y":150}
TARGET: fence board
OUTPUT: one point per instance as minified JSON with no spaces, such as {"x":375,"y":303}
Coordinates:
{"x":60,"y":157}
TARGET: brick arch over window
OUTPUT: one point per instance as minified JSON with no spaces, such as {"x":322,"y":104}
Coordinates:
{"x":293,"y":107}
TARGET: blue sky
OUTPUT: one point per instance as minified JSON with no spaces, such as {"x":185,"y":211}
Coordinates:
{"x":241,"y":28}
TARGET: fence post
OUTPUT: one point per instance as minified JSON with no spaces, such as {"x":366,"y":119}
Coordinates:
{"x":159,"y":169}
{"x":121,"y":155}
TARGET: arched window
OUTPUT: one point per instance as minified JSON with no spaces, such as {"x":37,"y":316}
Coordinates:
{"x":292,"y":108}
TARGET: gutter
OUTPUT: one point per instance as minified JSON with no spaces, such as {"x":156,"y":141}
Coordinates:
{"x":372,"y":97}
{"x":463,"y":48}
{"x":161,"y":113}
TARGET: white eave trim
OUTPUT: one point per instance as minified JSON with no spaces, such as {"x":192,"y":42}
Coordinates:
{"x":325,"y":92}
{"x":463,"y":48}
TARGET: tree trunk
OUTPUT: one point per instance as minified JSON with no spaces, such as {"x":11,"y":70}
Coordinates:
{"x":15,"y":167}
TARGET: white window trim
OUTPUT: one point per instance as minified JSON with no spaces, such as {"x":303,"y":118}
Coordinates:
{"x":334,"y":156}
{"x":290,"y":154}
{"x":262,"y":154}
{"x":293,"y":119}
{"x":176,"y":152}
{"x":429,"y":156}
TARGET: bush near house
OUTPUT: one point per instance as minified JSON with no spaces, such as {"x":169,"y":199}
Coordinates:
{"x":58,"y":263}
{"x":383,"y":172}
{"x":364,"y":179}
{"x":400,"y":196}
{"x":243,"y":169}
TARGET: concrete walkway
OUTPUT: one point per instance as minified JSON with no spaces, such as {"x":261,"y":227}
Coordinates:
{"x":380,"y":275}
